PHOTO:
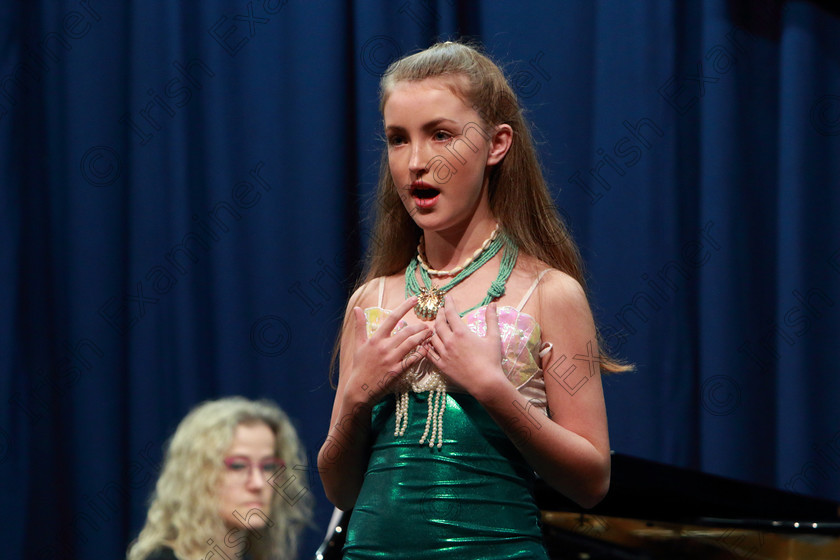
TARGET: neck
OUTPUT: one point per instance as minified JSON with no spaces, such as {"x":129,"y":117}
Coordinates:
{"x":448,"y":249}
{"x":234,"y":546}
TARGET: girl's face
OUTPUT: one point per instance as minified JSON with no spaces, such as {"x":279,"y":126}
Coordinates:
{"x":438,"y":152}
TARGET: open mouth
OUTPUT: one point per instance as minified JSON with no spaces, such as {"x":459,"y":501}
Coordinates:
{"x":425,"y":196}
{"x":424,"y":193}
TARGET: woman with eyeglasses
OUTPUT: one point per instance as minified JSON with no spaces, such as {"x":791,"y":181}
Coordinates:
{"x":227,"y":487}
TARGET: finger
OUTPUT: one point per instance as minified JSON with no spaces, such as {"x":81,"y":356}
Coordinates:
{"x":361,"y":325}
{"x":413,"y":349}
{"x":421,"y":330}
{"x":394,"y":317}
{"x":413,"y":341}
{"x":442,"y":326}
{"x":434,"y":347}
{"x":451,"y":312}
{"x":492,"y":320}
{"x":416,"y":354}
{"x":432,"y":352}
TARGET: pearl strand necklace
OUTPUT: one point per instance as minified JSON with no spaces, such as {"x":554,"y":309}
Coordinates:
{"x":457,"y":269}
{"x":435,"y":385}
{"x":433,"y":382}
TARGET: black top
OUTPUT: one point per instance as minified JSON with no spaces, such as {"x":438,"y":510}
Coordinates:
{"x":164,"y":553}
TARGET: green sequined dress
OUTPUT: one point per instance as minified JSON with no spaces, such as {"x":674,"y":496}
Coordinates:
{"x":471,"y":498}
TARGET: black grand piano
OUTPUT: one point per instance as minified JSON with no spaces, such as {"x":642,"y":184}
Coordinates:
{"x":655,"y":511}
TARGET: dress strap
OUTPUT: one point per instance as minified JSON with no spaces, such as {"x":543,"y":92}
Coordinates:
{"x":381,"y":291}
{"x":545,"y":349}
{"x":531,"y":289}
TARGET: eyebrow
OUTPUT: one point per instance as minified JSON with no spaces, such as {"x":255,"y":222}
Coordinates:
{"x":429,"y":125}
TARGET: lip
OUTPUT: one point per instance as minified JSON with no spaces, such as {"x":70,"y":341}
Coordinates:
{"x":424,"y":203}
{"x":418,"y":184}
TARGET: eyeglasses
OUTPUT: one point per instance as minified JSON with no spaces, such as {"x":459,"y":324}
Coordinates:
{"x":242,"y":467}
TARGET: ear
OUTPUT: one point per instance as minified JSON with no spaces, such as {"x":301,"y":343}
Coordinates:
{"x":500,"y":143}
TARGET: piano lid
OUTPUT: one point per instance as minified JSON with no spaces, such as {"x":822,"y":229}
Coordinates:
{"x":655,"y":511}
{"x":644,"y":489}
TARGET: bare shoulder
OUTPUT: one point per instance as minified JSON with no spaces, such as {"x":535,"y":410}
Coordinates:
{"x":558,"y":288}
{"x":560,"y":300}
{"x":393,"y":290}
{"x":554,"y":287}
{"x":365,"y":295}
{"x":565,"y":319}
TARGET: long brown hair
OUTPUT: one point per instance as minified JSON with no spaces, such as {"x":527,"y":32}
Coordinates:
{"x":518,"y":194}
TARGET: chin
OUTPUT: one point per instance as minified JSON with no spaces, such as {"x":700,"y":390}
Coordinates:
{"x":256,"y":524}
{"x":249,"y":517}
{"x":429,"y":220}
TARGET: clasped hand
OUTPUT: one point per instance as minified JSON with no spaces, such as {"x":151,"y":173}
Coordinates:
{"x":464,"y":357}
{"x":379,"y":360}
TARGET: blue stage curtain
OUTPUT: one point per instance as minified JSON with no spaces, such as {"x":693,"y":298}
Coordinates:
{"x":185,"y":192}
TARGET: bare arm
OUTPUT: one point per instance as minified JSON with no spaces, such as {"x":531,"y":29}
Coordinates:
{"x":367,"y":368}
{"x":571,"y":449}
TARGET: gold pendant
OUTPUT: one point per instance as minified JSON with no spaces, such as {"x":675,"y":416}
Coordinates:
{"x":428,"y":302}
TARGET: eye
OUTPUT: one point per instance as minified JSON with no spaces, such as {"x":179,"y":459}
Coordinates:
{"x":270,"y":466}
{"x":442,"y":136}
{"x":236,"y":464}
{"x":396,"y":140}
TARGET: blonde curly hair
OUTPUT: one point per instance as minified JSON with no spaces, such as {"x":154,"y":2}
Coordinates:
{"x":183,"y":513}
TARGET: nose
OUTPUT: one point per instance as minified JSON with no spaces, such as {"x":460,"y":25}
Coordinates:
{"x":418,"y":160}
{"x":256,"y":478}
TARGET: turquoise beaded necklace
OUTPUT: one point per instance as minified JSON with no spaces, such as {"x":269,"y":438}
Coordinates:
{"x":430,"y":298}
